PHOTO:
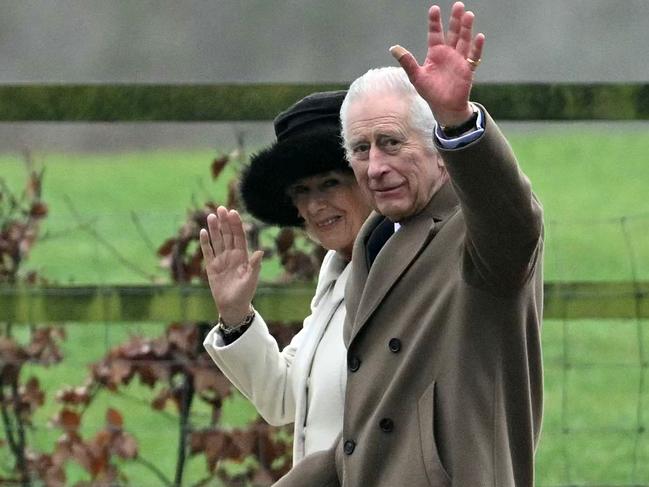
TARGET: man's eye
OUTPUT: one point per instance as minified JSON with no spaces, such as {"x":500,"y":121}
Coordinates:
{"x":391,"y":144}
{"x":360,"y":148}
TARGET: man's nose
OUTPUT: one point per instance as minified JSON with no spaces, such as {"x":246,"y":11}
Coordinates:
{"x":377,"y":165}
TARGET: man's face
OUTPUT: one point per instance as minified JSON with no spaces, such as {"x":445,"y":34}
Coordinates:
{"x":396,"y":171}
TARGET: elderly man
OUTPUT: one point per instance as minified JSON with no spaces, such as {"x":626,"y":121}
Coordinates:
{"x":444,"y":384}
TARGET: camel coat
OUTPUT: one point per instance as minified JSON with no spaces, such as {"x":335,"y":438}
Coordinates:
{"x":445,"y":381}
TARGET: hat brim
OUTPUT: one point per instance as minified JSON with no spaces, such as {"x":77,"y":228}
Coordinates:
{"x":271,"y":171}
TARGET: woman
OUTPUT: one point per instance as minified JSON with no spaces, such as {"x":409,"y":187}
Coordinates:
{"x":301,"y":180}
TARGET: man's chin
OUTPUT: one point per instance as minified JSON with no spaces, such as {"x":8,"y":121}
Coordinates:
{"x":389,"y":211}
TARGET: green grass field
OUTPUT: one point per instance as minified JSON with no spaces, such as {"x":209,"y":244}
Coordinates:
{"x":592,"y":183}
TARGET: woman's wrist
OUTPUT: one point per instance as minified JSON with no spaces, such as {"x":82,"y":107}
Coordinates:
{"x":232,"y":320}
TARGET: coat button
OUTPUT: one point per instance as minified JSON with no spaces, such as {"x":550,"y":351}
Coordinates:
{"x":349,"y":447}
{"x":386,"y":425}
{"x":354,"y":363}
{"x":394,"y":345}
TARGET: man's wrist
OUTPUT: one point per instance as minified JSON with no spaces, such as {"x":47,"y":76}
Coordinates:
{"x":452,"y":131}
{"x":454,"y":118}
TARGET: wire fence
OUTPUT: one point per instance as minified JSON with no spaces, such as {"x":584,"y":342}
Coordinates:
{"x":596,"y":357}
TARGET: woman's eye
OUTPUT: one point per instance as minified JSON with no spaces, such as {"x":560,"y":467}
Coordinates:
{"x":330,"y":183}
{"x":295,"y":191}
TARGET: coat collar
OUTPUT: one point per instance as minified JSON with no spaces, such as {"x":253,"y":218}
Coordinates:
{"x":368,"y":286}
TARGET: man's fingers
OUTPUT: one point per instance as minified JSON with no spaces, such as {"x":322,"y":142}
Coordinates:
{"x":215,"y":233}
{"x":454,"y":24}
{"x":406,"y":60}
{"x":238,"y":234}
{"x":206,"y":247}
{"x":476,"y":47}
{"x":435,"y":28}
{"x":464,"y":42}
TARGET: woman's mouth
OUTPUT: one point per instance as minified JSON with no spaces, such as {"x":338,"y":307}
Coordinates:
{"x":328,"y":222}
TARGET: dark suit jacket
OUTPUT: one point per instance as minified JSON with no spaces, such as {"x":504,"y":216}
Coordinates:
{"x":443,"y":334}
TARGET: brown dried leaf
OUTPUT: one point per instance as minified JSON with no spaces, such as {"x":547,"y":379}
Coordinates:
{"x":151,"y":372}
{"x":233,"y":200}
{"x":43,"y":346}
{"x":31,"y":395}
{"x":55,"y":477}
{"x":160,"y":401}
{"x":298,"y":266}
{"x":215,"y":445}
{"x":125,"y":446}
{"x":183,"y":337}
{"x":68,"y":420}
{"x":38,"y":209}
{"x":217,"y":165}
{"x":74,"y":395}
{"x":244,"y":442}
{"x":284,"y":240}
{"x":160,"y":347}
{"x":121,"y":371}
{"x":166,"y":248}
{"x":114,"y":419}
{"x":211,"y":379}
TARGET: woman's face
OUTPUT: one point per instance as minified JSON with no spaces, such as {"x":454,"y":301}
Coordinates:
{"x":332,"y":207}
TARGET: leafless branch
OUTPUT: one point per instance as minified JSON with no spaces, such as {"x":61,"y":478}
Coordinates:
{"x":93,"y":233}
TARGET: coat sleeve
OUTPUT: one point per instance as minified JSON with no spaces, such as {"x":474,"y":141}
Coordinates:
{"x":256,"y":366}
{"x":503,"y":217}
{"x":315,"y":470}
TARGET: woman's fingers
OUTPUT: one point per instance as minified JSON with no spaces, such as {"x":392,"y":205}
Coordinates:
{"x":215,"y":233}
{"x":206,"y":247}
{"x":224,"y":227}
{"x":255,"y":264}
{"x":238,"y":235}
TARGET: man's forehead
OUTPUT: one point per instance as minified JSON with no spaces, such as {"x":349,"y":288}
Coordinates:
{"x":381,"y":110}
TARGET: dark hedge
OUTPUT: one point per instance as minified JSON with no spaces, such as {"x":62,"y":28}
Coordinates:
{"x":245,"y":102}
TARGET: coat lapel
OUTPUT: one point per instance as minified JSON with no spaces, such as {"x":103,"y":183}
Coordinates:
{"x":368,"y":287}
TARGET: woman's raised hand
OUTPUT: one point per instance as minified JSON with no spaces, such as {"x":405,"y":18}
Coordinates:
{"x":232,"y":274}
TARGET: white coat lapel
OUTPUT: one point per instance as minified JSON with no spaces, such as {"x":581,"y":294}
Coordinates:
{"x":325,"y":302}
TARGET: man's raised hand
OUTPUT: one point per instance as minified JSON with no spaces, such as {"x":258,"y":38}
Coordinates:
{"x":445,"y":78}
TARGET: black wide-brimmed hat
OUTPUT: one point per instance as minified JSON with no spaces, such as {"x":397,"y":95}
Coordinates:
{"x":308,"y":143}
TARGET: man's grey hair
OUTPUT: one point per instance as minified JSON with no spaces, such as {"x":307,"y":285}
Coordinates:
{"x":390,"y":80}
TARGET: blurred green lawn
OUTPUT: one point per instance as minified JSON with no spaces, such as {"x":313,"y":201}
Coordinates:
{"x":592,"y":183}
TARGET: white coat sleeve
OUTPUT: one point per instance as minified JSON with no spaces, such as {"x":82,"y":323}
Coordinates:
{"x":256,"y":366}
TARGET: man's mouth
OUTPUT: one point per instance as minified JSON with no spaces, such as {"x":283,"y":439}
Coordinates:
{"x":386,"y":191}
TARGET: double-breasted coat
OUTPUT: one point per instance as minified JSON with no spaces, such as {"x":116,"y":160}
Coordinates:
{"x":444,"y":383}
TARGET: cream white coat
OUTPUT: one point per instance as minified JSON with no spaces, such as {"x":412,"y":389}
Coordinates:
{"x":304,"y":383}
